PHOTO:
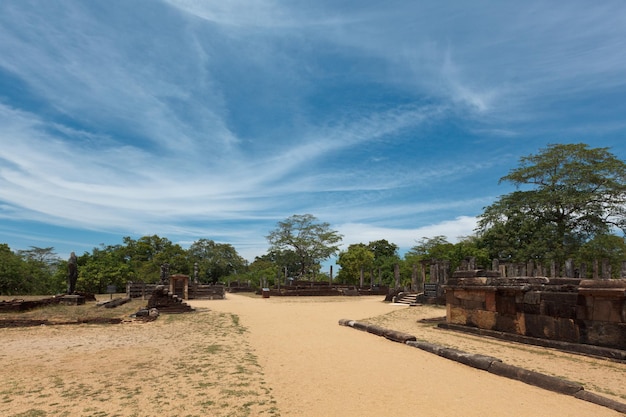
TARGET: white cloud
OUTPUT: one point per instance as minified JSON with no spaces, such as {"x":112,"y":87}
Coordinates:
{"x":407,"y":238}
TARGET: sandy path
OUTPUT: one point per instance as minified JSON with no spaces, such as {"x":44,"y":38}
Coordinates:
{"x":318,"y":368}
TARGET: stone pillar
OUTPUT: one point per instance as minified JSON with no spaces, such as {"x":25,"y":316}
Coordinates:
{"x":553,"y":270}
{"x":583,"y":270}
{"x":495,"y":265}
{"x":569,"y":268}
{"x":530,"y":268}
{"x":606,"y":269}
{"x":471,"y":263}
{"x":445,"y":270}
{"x":623,"y":271}
{"x":414,"y":278}
{"x":434,"y":272}
{"x":330,"y":275}
{"x":423,"y":270}
{"x":361,"y":278}
{"x":396,"y":275}
{"x":596,"y":269}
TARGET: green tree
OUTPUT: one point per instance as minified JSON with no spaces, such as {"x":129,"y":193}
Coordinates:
{"x":40,"y":265}
{"x":312,"y":242}
{"x":358,"y":257}
{"x":215,"y":260}
{"x":148,"y":253}
{"x":263,"y":270}
{"x":11,"y":271}
{"x":107,"y":265}
{"x":571,"y":193}
{"x":385,"y":258}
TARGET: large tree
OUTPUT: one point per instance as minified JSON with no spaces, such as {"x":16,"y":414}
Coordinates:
{"x":215,"y":260}
{"x":566,"y":195}
{"x":357,"y":259}
{"x":310,"y":240}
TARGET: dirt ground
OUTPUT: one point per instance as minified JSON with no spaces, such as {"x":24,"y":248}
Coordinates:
{"x":249,"y":356}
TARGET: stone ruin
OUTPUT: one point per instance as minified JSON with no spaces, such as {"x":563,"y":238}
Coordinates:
{"x":573,"y":310}
{"x":164,"y":301}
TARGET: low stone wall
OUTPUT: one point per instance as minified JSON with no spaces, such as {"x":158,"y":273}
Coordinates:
{"x":207,"y":292}
{"x":195,"y":291}
{"x":565,"y":309}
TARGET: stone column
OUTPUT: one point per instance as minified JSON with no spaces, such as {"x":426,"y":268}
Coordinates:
{"x":569,"y":268}
{"x":606,"y":269}
{"x":361,"y":278}
{"x":396,"y":275}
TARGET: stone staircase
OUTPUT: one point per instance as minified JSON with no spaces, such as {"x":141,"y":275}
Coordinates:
{"x":408,"y":298}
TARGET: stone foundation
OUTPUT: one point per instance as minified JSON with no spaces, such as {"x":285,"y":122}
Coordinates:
{"x":565,"y":309}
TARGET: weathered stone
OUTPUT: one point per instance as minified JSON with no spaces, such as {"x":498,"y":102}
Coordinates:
{"x":451,"y":298}
{"x":473,"y":305}
{"x":482,"y":319}
{"x":505,"y":304}
{"x":456,"y":315}
{"x":606,"y":310}
{"x":600,"y":400}
{"x":506,"y":323}
{"x":604,"y":334}
{"x":490,"y":301}
{"x":398,"y":336}
{"x":535,"y":378}
{"x":470,"y":295}
{"x":532,"y":297}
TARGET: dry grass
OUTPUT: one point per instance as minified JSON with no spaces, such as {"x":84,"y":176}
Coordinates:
{"x":65,"y":313}
{"x":192,"y":364}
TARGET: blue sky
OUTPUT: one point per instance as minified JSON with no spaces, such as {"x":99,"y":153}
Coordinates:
{"x":196,"y":119}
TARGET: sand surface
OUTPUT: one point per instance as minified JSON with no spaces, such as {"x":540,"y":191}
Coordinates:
{"x":249,"y":356}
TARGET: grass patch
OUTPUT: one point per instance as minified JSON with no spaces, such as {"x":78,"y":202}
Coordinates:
{"x":63,"y":313}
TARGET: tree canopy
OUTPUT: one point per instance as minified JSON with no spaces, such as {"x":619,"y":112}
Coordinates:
{"x":311,"y":241}
{"x":566,"y":195}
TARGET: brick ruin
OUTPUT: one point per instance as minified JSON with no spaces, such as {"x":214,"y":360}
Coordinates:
{"x":575,"y":310}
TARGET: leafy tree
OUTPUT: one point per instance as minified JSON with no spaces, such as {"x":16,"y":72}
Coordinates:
{"x":40,"y":265}
{"x":215,"y":260}
{"x":385,"y":258}
{"x":571,"y":193}
{"x":148,"y":253}
{"x":439,"y":248}
{"x":11,"y":271}
{"x":311,"y":241}
{"x":263,"y":270}
{"x":436,"y":247}
{"x":358,"y":257}
{"x":107,"y":265}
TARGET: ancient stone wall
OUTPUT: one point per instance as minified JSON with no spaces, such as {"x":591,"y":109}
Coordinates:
{"x":565,"y":309}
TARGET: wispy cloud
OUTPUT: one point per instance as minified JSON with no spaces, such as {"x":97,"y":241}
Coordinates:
{"x":220,"y":118}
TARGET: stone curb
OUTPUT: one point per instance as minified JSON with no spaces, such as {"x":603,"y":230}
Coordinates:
{"x":600,"y":400}
{"x":482,"y":362}
{"x":492,"y":365}
{"x":535,"y":378}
